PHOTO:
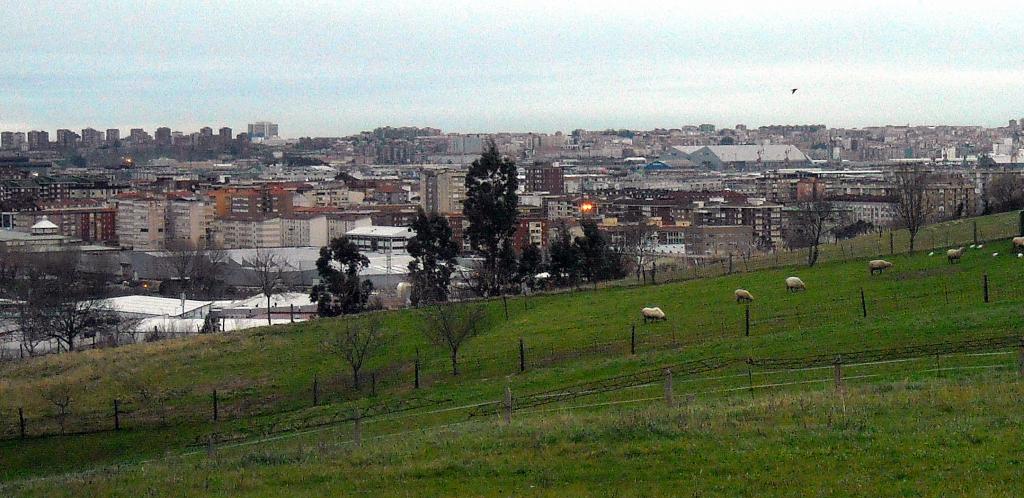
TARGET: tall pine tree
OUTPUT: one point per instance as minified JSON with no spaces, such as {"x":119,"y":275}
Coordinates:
{"x":434,"y":251}
{"x":491,"y":208}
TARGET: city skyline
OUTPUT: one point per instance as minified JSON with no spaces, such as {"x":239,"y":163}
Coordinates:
{"x":336,"y":69}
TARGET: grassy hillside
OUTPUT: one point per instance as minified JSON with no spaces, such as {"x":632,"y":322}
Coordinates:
{"x":913,"y":437}
{"x":569,"y":337}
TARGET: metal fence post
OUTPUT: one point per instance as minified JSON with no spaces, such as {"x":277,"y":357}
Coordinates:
{"x":508,"y":404}
{"x":985,"y":286}
{"x":632,"y":340}
{"x":357,"y":427}
{"x":863,"y":304}
{"x":117,"y":414}
{"x":838,"y":373}
{"x":416,"y":379}
{"x":522,"y":356}
{"x":1020,"y":367}
{"x":746,"y":312}
{"x":669,"y":398}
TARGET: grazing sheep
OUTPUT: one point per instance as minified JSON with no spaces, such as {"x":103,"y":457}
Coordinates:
{"x":878,"y":265}
{"x":931,"y":253}
{"x":981,"y":246}
{"x":1018,"y":244}
{"x":995,"y":254}
{"x":794,"y":284}
{"x":653,"y":314}
{"x":743,"y":295}
{"x":954,"y":255}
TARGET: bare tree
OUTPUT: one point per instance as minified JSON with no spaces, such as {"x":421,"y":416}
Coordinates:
{"x":639,"y":241}
{"x":913,"y":207}
{"x":1006,"y":192}
{"x":268,"y":275}
{"x":451,"y":325}
{"x":181,"y":260}
{"x":810,"y":223}
{"x":59,"y":396}
{"x":357,"y":341}
{"x":61,"y":301}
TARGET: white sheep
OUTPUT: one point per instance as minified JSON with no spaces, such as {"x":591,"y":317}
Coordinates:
{"x":878,"y":265}
{"x":653,"y":314}
{"x":794,"y":284}
{"x":1018,"y":244}
{"x":954,"y":255}
{"x":995,"y":254}
{"x":980,"y":246}
{"x":743,"y":295}
{"x":931,"y":253}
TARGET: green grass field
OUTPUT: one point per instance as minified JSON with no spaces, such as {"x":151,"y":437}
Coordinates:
{"x":570,"y":337}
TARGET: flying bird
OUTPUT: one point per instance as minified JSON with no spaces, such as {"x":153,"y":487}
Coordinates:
{"x":791,"y":92}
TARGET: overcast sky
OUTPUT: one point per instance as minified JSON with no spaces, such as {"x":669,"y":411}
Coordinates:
{"x":338,"y":68}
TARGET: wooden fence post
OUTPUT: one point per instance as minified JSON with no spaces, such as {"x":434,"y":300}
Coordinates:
{"x":21,"y":422}
{"x":669,"y":398}
{"x":746,"y":313}
{"x":863,"y":304}
{"x":891,"y":247}
{"x":291,"y":312}
{"x":357,"y":427}
{"x":985,"y":286}
{"x":211,"y":447}
{"x":316,"y":390}
{"x":975,"y":232}
{"x":730,"y":263}
{"x":632,"y":339}
{"x":373,"y":383}
{"x":838,"y":373}
{"x":216,"y":415}
{"x":522,"y":356}
{"x":508,"y":404}
{"x":117,"y":414}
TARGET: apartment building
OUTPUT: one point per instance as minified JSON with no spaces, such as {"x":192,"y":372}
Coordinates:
{"x":248,"y":231}
{"x":304,"y":230}
{"x":442,"y":191}
{"x":141,"y":221}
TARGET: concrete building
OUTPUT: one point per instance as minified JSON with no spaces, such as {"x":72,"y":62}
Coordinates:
{"x":263,"y":129}
{"x":304,"y":230}
{"x":90,"y":220}
{"x":545,"y":177}
{"x":442,"y":191}
{"x":189,"y":222}
{"x":740,"y":157}
{"x":382,"y":239}
{"x":141,"y":221}
{"x":249,"y":231}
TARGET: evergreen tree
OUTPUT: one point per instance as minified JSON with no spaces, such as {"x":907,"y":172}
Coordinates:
{"x":434,"y":251}
{"x":340,"y":291}
{"x":598,"y":259}
{"x":565,"y":259}
{"x":531,"y":262}
{"x":491,"y":210}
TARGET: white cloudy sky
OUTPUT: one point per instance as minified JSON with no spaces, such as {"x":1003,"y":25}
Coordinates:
{"x":341,"y":67}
